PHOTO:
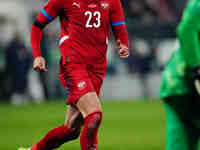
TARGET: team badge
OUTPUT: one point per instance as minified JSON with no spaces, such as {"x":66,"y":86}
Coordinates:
{"x":104,"y":5}
{"x":81,"y":85}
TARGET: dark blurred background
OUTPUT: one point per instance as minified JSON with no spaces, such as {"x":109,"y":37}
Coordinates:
{"x":152,"y":32}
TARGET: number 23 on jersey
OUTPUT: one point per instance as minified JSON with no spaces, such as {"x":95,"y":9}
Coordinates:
{"x":90,"y":15}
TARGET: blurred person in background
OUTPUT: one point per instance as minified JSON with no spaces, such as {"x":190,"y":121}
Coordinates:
{"x":176,"y":7}
{"x":111,"y":57}
{"x":85,"y":27}
{"x":18,"y":63}
{"x":180,"y":88}
{"x":4,"y":86}
{"x":162,"y":9}
{"x":139,"y":11}
{"x":150,"y":11}
{"x":4,"y":90}
{"x":140,"y":62}
{"x":42,"y":75}
{"x":148,"y":21}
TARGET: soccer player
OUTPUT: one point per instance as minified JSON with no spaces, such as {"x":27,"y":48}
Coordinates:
{"x":85,"y":27}
{"x":180,"y":84}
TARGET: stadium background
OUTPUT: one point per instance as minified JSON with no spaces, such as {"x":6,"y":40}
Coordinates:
{"x":134,"y":117}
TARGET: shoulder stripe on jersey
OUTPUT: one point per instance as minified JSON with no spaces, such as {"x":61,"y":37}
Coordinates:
{"x":46,"y":15}
{"x":118,"y":23}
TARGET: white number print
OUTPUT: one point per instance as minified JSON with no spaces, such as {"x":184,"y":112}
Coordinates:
{"x":97,"y":15}
{"x":89,"y":14}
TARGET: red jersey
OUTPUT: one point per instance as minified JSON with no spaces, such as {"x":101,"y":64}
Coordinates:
{"x":85,"y":26}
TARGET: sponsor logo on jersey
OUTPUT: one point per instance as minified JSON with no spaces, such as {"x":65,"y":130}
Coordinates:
{"x":104,"y":5}
{"x":76,"y":4}
{"x":92,"y":6}
{"x":81,"y":85}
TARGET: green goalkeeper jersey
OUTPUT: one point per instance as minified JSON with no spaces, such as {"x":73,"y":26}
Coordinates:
{"x":176,"y":78}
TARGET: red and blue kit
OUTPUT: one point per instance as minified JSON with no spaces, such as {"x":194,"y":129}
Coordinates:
{"x":85,"y":29}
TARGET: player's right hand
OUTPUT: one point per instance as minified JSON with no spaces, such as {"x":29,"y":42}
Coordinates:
{"x":39,"y":64}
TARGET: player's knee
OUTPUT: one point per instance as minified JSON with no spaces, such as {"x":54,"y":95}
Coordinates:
{"x":74,"y":133}
{"x":63,"y":136}
{"x":69,"y":135}
{"x":94,"y":122}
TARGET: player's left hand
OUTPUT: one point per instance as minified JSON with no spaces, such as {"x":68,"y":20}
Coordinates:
{"x":39,"y":64}
{"x":123,"y":50}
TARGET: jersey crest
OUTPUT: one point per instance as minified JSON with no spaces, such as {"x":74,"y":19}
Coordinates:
{"x":81,"y":85}
{"x":104,"y":5}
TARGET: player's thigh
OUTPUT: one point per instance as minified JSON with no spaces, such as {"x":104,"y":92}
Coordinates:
{"x":89,"y":103}
{"x":74,"y":118}
{"x":180,"y":133}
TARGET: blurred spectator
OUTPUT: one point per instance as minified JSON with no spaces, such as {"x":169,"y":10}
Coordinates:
{"x":111,"y":58}
{"x":139,"y":11}
{"x":140,"y":62}
{"x":162,"y":10}
{"x":150,"y":11}
{"x":177,"y":7}
{"x":4,"y":87}
{"x":42,"y":75}
{"x":18,"y":62}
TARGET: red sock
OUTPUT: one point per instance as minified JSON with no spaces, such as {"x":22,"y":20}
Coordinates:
{"x":56,"y":137}
{"x":88,"y":139}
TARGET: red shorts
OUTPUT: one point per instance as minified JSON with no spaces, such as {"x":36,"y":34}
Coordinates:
{"x":80,"y":78}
